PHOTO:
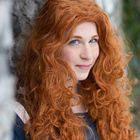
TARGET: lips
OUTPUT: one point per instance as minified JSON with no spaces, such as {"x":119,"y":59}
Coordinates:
{"x":84,"y":67}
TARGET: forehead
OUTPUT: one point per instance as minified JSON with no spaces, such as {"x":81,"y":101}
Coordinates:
{"x":86,"y":28}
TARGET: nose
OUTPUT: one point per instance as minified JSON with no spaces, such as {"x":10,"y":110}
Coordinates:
{"x":86,"y":52}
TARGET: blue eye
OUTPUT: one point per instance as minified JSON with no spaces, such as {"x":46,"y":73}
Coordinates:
{"x":74,"y":42}
{"x":95,"y":40}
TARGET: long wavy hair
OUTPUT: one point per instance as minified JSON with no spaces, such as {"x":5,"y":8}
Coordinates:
{"x":43,"y":76}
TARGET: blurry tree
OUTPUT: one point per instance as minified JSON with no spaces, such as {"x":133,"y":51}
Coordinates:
{"x":131,"y":26}
{"x":7,"y":81}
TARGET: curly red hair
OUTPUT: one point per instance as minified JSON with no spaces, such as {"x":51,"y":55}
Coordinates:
{"x":43,"y":76}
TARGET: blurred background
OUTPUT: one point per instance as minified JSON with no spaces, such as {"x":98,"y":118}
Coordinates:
{"x":131,"y":28}
{"x":16,"y":18}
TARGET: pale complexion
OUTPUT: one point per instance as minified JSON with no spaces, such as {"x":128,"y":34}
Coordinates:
{"x":81,"y":52}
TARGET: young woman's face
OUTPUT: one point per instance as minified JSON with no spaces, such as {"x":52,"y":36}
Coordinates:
{"x":82,"y":50}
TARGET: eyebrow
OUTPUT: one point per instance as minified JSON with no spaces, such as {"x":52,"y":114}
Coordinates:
{"x":94,"y":36}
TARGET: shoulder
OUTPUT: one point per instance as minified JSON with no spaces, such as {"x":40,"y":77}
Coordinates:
{"x":21,"y":118}
{"x":21,"y":112}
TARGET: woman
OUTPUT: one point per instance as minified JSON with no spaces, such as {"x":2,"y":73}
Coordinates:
{"x":71,"y":79}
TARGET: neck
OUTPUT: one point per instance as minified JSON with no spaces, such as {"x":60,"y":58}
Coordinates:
{"x":80,"y":108}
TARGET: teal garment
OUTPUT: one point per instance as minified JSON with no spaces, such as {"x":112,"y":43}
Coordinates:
{"x":91,"y":132}
{"x":19,"y":133}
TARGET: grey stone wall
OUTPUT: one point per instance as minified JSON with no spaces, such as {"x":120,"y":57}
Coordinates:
{"x":23,"y":15}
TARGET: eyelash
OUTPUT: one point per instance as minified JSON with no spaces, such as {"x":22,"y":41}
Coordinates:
{"x":95,"y":40}
{"x":76,"y":42}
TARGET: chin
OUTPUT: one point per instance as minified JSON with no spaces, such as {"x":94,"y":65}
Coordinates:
{"x":82,"y":77}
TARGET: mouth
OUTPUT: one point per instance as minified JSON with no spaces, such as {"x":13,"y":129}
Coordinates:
{"x":84,"y":67}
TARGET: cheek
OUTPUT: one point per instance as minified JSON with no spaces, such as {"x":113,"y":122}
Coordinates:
{"x":68,"y":56}
{"x":96,"y":53}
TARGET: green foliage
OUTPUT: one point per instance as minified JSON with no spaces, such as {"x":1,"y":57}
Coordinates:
{"x":131,"y":27}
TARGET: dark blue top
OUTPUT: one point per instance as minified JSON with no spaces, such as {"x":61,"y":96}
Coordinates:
{"x":19,"y":133}
{"x":90,"y":133}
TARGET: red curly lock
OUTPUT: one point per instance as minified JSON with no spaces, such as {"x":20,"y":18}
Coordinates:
{"x":43,"y":75}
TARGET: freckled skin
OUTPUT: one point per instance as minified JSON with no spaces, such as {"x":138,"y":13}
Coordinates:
{"x":82,"y":50}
